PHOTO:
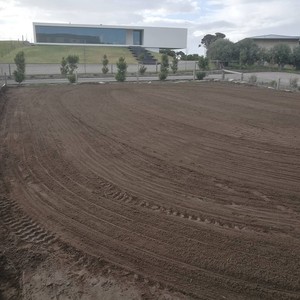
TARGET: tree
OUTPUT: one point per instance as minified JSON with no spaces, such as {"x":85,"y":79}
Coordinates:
{"x":247,"y":51}
{"x":281,"y":54}
{"x":192,"y":57}
{"x":296,"y":57}
{"x":208,"y":39}
{"x":203,"y":63}
{"x":264,"y":55}
{"x":72,"y":61}
{"x":181,"y":55}
{"x":105,"y":62}
{"x":19,"y":74}
{"x":122,"y":69}
{"x":64,"y":68}
{"x":68,"y":66}
{"x":174,"y":65}
{"x":164,"y":67}
{"x":169,"y":52}
{"x":222,"y":50}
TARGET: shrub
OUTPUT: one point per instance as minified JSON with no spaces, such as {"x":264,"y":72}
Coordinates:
{"x":163,"y":75}
{"x":174,"y":65}
{"x":122,"y":69}
{"x":142,"y":69}
{"x":64,"y":68}
{"x":203,"y":63}
{"x":294,"y":83}
{"x":253,"y":79}
{"x":72,"y":78}
{"x":68,"y":66}
{"x":200,"y":75}
{"x":105,"y":64}
{"x":72,"y":61}
{"x":273,"y":84}
{"x":19,"y":74}
{"x":164,"y":67}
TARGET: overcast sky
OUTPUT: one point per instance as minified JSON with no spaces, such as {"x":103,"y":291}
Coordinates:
{"x":235,"y":18}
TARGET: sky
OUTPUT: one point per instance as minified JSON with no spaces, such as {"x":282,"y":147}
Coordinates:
{"x":237,"y":19}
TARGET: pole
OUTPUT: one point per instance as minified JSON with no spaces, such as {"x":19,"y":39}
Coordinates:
{"x":84,"y":59}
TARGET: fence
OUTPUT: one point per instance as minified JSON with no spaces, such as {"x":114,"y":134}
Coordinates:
{"x":278,"y":80}
{"x":54,"y":69}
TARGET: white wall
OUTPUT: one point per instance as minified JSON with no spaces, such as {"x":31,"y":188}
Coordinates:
{"x":161,"y":37}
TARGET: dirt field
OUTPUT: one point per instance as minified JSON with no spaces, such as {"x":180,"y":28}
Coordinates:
{"x":150,"y":191}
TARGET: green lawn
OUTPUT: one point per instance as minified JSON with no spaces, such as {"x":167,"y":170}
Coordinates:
{"x":54,"y":53}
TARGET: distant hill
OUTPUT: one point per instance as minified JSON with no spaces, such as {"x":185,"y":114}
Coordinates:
{"x":54,"y":53}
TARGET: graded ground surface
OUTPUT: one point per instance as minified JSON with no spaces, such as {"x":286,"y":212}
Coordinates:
{"x":150,"y":191}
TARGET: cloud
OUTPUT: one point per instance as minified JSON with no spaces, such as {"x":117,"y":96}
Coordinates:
{"x":236,"y":18}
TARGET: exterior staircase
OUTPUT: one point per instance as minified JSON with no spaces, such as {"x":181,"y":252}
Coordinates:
{"x":142,"y":55}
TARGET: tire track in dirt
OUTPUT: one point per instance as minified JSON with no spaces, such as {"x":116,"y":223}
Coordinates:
{"x":85,"y":142}
{"x":142,"y":233}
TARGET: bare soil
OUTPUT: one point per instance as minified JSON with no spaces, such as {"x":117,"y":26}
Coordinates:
{"x":149,"y":191}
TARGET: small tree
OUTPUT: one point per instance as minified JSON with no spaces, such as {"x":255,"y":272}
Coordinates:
{"x":68,"y":66}
{"x":122,"y":69}
{"x":64,"y":69}
{"x":200,"y":75}
{"x":105,"y":62}
{"x":142,"y":67}
{"x":164,"y":67}
{"x":174,"y":65}
{"x":296,"y":57}
{"x":203,"y":63}
{"x":19,"y":74}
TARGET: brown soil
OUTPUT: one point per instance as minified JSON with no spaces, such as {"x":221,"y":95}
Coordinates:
{"x":149,"y":191}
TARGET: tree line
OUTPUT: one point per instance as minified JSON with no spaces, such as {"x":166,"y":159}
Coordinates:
{"x":69,"y":65}
{"x":247,"y":53}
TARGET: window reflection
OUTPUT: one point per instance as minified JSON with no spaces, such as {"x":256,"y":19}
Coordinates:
{"x":85,"y":35}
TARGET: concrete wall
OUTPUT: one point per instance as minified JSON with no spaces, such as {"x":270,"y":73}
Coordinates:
{"x":54,"y":69}
{"x":174,"y":38}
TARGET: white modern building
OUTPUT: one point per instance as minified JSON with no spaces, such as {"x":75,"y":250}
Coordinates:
{"x":122,"y":36}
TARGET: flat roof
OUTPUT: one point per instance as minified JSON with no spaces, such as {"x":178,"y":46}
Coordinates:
{"x":101,"y":26}
{"x":275,"y":37}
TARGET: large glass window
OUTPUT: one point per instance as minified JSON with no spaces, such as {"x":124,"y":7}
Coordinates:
{"x":84,"y":35}
{"x":137,"y":37}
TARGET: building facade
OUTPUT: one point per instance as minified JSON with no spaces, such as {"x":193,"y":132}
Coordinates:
{"x":270,"y":40}
{"x":122,"y":36}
